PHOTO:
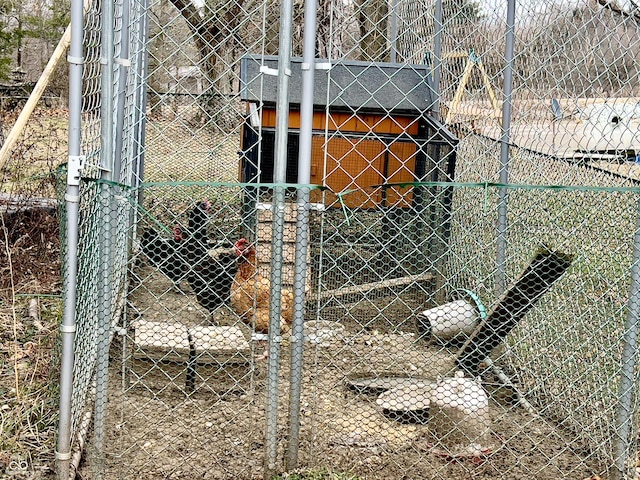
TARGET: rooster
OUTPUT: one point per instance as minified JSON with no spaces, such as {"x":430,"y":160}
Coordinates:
{"x":165,"y":254}
{"x":251,"y":293}
{"x":209,"y":276}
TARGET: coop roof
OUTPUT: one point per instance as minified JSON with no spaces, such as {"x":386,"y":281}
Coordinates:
{"x":350,"y":85}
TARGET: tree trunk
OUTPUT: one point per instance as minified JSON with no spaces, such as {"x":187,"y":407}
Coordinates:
{"x":372,"y":22}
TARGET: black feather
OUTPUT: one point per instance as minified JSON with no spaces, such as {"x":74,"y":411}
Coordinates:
{"x":164,"y":253}
{"x":211,"y":280}
{"x":209,"y":277}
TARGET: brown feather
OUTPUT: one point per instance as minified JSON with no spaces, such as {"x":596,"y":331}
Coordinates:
{"x":251,"y":294}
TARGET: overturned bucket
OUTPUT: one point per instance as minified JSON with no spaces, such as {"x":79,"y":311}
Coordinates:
{"x":449,"y":321}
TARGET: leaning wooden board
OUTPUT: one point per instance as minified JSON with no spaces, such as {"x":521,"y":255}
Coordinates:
{"x":543,"y":271}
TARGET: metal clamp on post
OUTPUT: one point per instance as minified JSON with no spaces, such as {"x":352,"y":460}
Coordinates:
{"x":120,"y":331}
{"x":75,"y":60}
{"x":67,"y":328}
{"x":74,"y":169}
{"x":125,"y":62}
{"x":274,"y":71}
{"x":63,"y":456}
{"x":323,"y":66}
{"x":269,"y":71}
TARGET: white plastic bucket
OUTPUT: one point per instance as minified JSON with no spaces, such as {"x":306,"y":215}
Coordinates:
{"x":449,"y":320}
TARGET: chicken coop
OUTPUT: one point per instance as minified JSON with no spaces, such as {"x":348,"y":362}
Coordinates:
{"x":341,"y":254}
{"x":377,"y":147}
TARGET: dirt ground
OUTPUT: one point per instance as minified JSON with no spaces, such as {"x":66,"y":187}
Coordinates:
{"x":158,"y":428}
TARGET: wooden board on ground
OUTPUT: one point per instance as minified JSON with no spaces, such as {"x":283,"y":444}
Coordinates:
{"x":166,"y":340}
{"x":198,"y":358}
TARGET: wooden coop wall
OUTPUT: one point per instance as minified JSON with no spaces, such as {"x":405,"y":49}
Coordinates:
{"x":346,"y":158}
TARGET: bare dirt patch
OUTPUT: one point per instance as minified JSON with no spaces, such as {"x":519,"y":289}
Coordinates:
{"x":156,"y":428}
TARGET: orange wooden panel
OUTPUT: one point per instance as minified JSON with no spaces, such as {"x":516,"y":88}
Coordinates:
{"x":354,"y":164}
{"x":395,"y":125}
{"x":358,"y":164}
{"x":347,"y":122}
{"x":401,"y":168}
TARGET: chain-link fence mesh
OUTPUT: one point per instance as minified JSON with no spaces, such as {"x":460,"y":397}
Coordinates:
{"x":469,"y":292}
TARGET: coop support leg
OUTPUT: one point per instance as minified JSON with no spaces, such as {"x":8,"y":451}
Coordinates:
{"x":190,"y":382}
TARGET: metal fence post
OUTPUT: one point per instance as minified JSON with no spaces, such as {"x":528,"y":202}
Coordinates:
{"x":628,"y":385}
{"x":279,"y":178}
{"x":437,"y":58}
{"x":72,"y":198}
{"x":505,"y":139}
{"x":105,"y":242}
{"x":393,"y":55}
{"x":140,"y":98}
{"x":123,"y":68}
{"x":302,"y":229}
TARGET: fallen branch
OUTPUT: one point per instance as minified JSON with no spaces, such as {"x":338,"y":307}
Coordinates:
{"x":13,"y":306}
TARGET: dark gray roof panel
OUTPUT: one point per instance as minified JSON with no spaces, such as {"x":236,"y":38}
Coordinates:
{"x":351,"y":85}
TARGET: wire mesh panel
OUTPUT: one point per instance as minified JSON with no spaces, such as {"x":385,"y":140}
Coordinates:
{"x":452,"y":296}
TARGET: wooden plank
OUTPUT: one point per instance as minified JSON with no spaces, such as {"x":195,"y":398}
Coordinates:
{"x":264,"y":248}
{"x":348,"y":122}
{"x":543,"y":271}
{"x":264,"y":251}
{"x":219,"y":344}
{"x":372,"y":286}
{"x":288,"y":273}
{"x":265,"y":232}
{"x":10,"y":204}
{"x":265,"y":212}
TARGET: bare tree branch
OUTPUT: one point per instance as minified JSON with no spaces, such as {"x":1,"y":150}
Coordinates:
{"x":614,"y":6}
{"x":190,"y":13}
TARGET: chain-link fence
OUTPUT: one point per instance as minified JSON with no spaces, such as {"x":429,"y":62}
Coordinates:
{"x":441,"y":282}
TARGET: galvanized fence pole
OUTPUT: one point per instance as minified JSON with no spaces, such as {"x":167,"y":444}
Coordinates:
{"x":302,"y":229}
{"x":505,"y":138}
{"x":393,"y":56}
{"x":124,"y":63}
{"x":140,"y":98}
{"x":72,"y":199}
{"x":437,"y":59}
{"x":624,"y":466}
{"x":279,"y":178}
{"x":105,"y":243}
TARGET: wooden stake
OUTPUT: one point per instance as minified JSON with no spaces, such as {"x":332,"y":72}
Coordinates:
{"x":25,"y":114}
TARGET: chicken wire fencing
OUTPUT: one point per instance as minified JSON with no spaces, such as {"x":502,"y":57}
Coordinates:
{"x":441,"y":282}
